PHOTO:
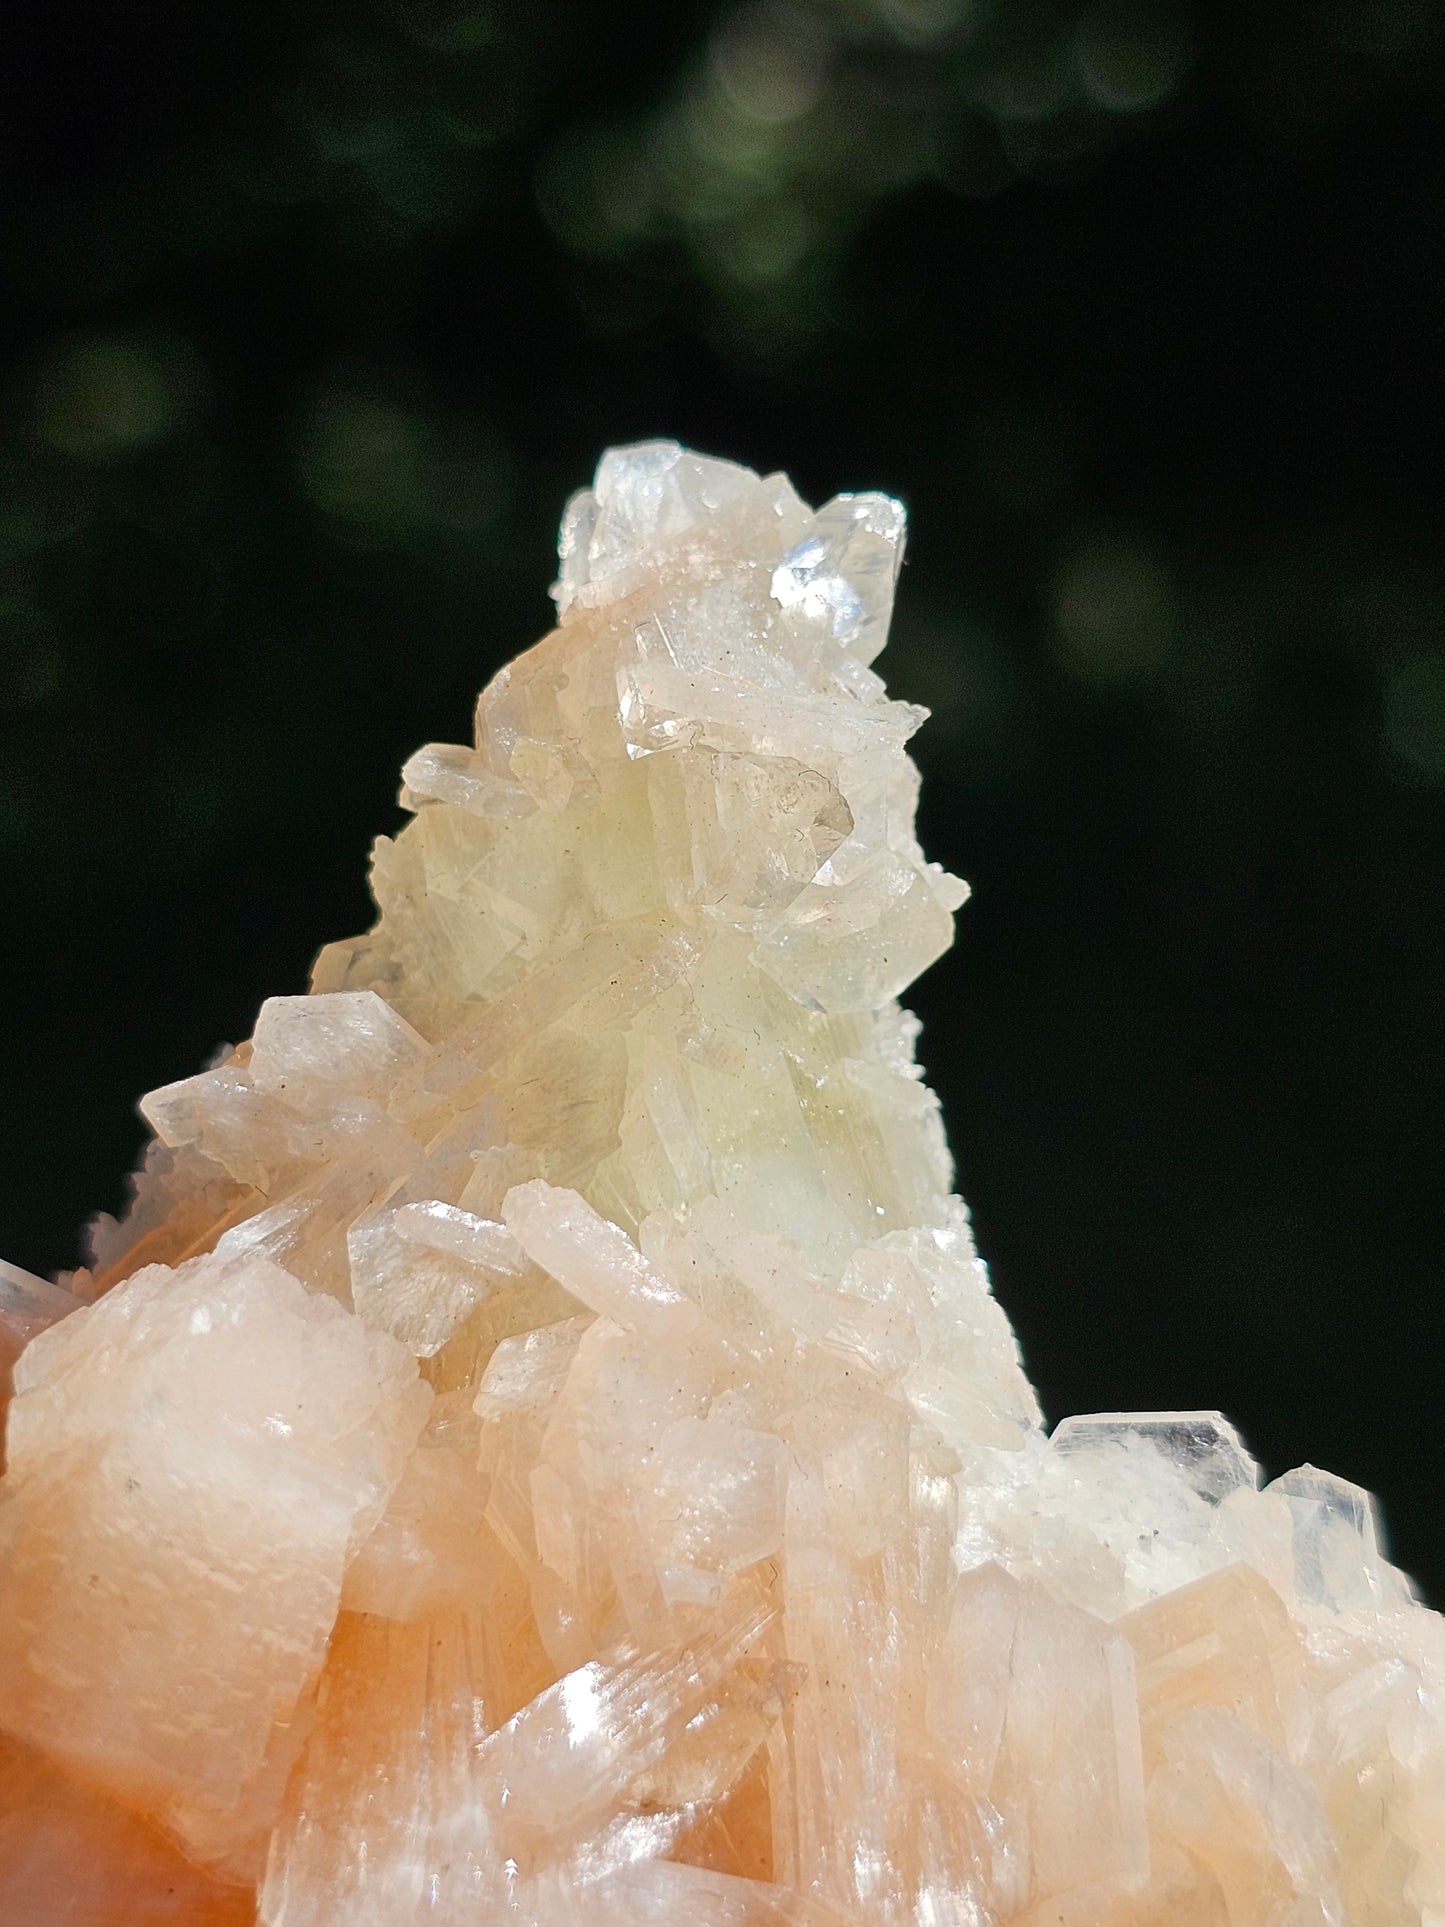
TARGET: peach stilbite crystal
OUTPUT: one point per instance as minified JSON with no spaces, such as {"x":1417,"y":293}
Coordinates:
{"x":541,"y":1446}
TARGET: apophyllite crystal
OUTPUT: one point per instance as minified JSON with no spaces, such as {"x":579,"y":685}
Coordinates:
{"x":541,"y":1446}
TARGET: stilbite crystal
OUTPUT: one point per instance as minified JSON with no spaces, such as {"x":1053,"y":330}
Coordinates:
{"x":541,"y":1446}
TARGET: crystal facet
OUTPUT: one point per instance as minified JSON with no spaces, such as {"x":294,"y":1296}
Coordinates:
{"x":541,"y":1446}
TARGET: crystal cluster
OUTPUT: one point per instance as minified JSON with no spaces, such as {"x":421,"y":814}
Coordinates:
{"x":541,"y":1446}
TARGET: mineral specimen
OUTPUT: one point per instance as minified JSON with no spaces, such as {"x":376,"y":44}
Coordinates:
{"x":541,"y":1446}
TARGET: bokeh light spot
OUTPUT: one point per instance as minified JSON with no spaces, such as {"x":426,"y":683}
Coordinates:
{"x":922,"y":23}
{"x":387,"y":474}
{"x":352,"y":108}
{"x":1113,"y":608}
{"x":30,"y":655}
{"x":596,"y":192}
{"x":1131,"y":55}
{"x":1414,"y":719}
{"x":361,"y":462}
{"x":39,"y":504}
{"x":100,"y":396}
{"x":767,"y":243}
{"x":450,"y":26}
{"x":1027,"y":83}
{"x":771,"y":67}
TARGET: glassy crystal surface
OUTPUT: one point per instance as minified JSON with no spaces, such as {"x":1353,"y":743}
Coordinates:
{"x":541,"y":1446}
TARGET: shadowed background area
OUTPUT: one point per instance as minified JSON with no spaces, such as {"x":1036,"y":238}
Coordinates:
{"x":312,"y":315}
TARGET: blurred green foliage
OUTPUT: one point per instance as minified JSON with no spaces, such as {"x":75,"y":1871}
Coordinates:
{"x":313,"y":315}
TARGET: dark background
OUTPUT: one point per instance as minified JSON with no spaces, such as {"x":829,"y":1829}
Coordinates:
{"x":311,"y":316}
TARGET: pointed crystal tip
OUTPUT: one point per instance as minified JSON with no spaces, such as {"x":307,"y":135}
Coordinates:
{"x":642,"y":495}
